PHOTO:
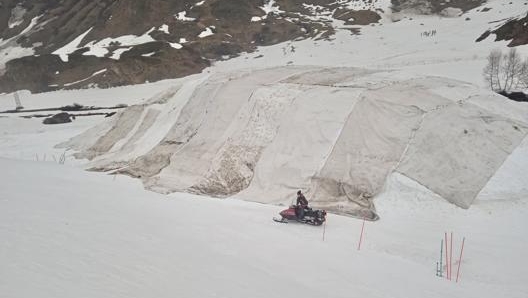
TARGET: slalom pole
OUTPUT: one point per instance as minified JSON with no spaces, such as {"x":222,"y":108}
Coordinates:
{"x":460,"y":259}
{"x":451,"y":258}
{"x":441,"y":256}
{"x":447,"y":257}
{"x":361,"y":235}
{"x":324,"y":229}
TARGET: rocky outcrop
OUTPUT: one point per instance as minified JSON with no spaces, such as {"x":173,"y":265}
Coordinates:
{"x":136,"y":41}
{"x":434,"y":6}
{"x":49,"y":45}
{"x":58,"y":118}
{"x":516,"y":31}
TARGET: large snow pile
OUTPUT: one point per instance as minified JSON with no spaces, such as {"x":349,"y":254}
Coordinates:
{"x":337,"y":133}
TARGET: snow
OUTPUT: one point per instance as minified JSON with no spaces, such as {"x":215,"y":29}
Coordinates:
{"x":164,"y":28}
{"x":85,"y":79}
{"x":67,"y":232}
{"x":13,"y":52}
{"x":116,"y":55}
{"x":9,"y":48}
{"x":100,"y":48}
{"x":148,"y":54}
{"x":125,"y":42}
{"x":107,"y":237}
{"x":268,"y":8}
{"x":452,"y":52}
{"x":206,"y":32}
{"x":181,"y":16}
{"x":71,"y":47}
{"x":176,"y":45}
{"x":135,"y":94}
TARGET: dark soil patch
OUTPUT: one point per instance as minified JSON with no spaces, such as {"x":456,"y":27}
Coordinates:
{"x":515,"y":96}
{"x":434,"y":6}
{"x":357,"y":17}
{"x":58,"y":118}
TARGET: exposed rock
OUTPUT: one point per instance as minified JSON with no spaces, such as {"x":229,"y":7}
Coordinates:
{"x":434,"y":6}
{"x":516,"y":31}
{"x":101,"y":29}
{"x":357,"y":17}
{"x":58,"y":119}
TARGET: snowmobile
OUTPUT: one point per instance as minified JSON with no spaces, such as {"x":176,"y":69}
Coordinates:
{"x":312,"y":217}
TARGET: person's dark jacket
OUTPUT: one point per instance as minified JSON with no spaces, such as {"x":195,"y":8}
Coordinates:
{"x":301,"y":200}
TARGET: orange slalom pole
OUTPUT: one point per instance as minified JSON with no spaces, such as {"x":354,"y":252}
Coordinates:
{"x":460,"y":259}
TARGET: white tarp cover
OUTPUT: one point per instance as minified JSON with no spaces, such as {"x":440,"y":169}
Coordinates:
{"x":336,"y":133}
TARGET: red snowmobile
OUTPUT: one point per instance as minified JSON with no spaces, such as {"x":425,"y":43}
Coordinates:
{"x":312,"y":217}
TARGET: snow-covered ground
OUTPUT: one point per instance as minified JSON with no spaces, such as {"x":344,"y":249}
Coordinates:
{"x":69,"y":233}
{"x":66,"y":232}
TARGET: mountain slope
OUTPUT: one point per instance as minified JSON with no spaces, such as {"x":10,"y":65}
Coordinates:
{"x":110,"y":43}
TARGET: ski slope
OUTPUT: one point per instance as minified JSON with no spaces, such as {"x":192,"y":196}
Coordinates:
{"x":67,"y":232}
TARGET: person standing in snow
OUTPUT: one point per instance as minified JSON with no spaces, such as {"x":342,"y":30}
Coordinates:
{"x":302,"y":203}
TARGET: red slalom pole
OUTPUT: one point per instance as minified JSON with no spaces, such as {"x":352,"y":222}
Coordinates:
{"x":447,"y":257}
{"x":324,"y":230}
{"x":451,"y":258}
{"x":460,"y":259}
{"x":361,"y":235}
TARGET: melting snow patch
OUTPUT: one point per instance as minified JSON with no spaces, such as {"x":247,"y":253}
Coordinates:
{"x":270,"y":8}
{"x":175,"y":45}
{"x":181,"y":16}
{"x":13,"y":52}
{"x":183,"y":40}
{"x":99,"y":72}
{"x":79,"y":81}
{"x":200,"y":3}
{"x":206,"y":32}
{"x":267,"y":8}
{"x":117,"y":53}
{"x":71,"y":47}
{"x":99,"y":49}
{"x":148,"y":54}
{"x":164,"y":28}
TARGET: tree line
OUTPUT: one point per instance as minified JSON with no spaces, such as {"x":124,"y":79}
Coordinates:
{"x":506,"y":72}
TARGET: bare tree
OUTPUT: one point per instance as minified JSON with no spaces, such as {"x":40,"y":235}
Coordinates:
{"x":506,"y":72}
{"x":492,"y":69}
